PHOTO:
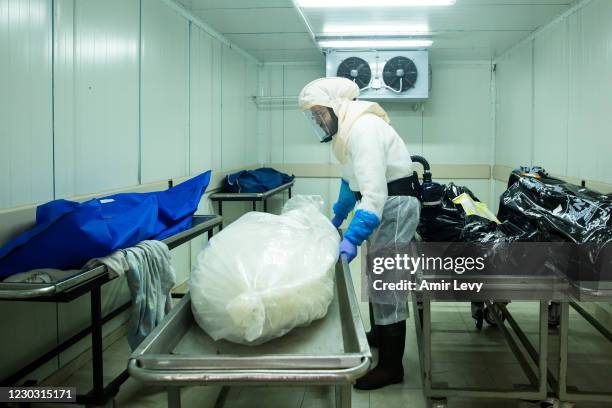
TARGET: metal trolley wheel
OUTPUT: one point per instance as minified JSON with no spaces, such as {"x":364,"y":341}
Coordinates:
{"x":488,"y":316}
{"x":484,"y":313}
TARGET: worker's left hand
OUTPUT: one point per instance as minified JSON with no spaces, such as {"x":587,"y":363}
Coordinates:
{"x":348,"y":249}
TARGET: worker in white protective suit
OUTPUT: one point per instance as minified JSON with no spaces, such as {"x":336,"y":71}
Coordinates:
{"x":376,"y":172}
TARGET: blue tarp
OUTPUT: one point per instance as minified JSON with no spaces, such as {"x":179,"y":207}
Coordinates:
{"x":255,"y":181}
{"x":67,"y":234}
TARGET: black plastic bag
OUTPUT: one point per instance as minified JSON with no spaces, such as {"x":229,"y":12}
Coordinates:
{"x":562,"y":211}
{"x":485,"y":231}
{"x":557,"y":208}
{"x":445,"y":221}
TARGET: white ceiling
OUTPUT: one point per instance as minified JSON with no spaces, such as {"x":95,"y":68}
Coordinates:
{"x":272,"y":30}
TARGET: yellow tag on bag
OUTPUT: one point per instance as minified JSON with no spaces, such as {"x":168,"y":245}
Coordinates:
{"x":472,"y":207}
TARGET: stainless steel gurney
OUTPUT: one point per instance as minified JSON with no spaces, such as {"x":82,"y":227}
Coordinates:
{"x":73,"y":282}
{"x":71,"y":286}
{"x":330,"y":351}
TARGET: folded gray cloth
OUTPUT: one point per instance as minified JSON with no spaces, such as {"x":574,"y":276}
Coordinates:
{"x":150,"y":277}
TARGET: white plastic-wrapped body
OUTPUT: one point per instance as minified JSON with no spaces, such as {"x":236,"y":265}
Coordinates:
{"x":265,"y":274}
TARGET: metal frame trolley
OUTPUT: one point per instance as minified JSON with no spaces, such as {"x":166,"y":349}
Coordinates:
{"x":580,"y":292}
{"x":533,"y":362}
{"x":331,"y":351}
{"x":253,"y":197}
{"x":79,"y":284}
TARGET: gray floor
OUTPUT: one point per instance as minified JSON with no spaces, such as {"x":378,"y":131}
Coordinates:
{"x":463,"y":356}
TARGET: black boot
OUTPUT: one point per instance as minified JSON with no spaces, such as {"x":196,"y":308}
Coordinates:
{"x":390,"y":370}
{"x":372,"y":335}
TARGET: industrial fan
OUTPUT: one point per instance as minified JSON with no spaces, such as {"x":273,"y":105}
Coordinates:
{"x":357,"y":70}
{"x":400,"y":74}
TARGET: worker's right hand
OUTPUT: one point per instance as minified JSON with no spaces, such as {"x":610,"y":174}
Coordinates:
{"x":337,"y":221}
{"x":348,"y":249}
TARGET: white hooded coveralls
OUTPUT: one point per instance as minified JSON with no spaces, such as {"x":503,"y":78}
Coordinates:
{"x":372,"y":154}
{"x":376,"y":155}
{"x":370,"y":150}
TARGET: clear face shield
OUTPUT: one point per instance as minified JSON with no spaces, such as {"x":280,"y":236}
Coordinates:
{"x":323,"y":121}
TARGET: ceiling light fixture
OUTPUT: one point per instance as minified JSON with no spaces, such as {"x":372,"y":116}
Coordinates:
{"x":386,"y":29}
{"x":376,"y":44}
{"x":371,"y":3}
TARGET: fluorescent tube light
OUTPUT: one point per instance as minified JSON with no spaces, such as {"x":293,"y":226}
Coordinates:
{"x":369,"y":29}
{"x":372,"y":3}
{"x":376,"y":44}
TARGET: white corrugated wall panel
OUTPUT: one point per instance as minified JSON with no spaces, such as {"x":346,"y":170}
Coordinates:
{"x":408,"y":123}
{"x":96,"y":95}
{"x":216,"y":109}
{"x":233,"y":109}
{"x":299,"y":142}
{"x":250,"y":127}
{"x":572,"y":61}
{"x":514,"y":108}
{"x":590,"y":103}
{"x":201,"y":97}
{"x":551,"y":100}
{"x":274,"y":114}
{"x":457,"y":116}
{"x":26,"y":138}
{"x":164,"y":92}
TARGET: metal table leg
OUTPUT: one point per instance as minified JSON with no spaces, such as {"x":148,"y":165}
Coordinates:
{"x":174,"y":397}
{"x":265,"y":205}
{"x":290,"y":193}
{"x":222,"y":397}
{"x":426,"y":344}
{"x":96,"y":343}
{"x":343,"y":396}
{"x":254,"y":206}
{"x":543,"y":349}
{"x":221,"y":213}
{"x":563,"y":342}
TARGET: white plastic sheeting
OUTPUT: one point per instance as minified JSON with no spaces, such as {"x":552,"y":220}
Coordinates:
{"x":265,"y":274}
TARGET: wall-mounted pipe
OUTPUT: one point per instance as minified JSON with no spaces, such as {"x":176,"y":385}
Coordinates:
{"x":307,"y":24}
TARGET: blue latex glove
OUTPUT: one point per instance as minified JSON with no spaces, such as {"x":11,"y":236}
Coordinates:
{"x":348,"y":249}
{"x":344,"y":205}
{"x":362,"y":226}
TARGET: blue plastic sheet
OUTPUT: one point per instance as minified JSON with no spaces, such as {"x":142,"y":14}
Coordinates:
{"x":67,"y":234}
{"x":255,"y":181}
